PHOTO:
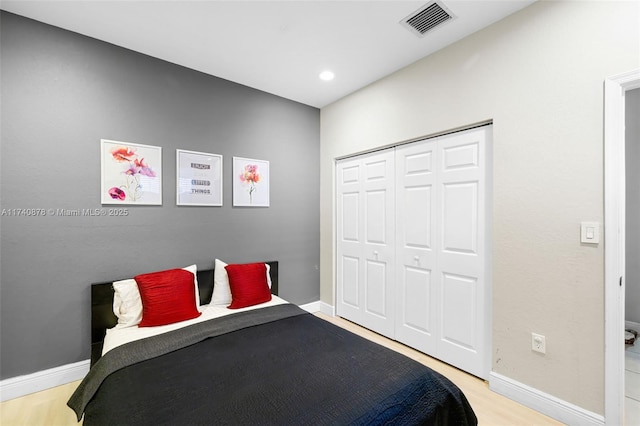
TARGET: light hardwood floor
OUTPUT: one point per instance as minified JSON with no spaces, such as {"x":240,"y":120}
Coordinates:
{"x":48,"y":408}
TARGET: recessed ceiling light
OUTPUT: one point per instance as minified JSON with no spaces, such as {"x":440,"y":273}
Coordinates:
{"x":327,"y":75}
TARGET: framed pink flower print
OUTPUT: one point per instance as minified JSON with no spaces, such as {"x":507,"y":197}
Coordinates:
{"x":131,"y":173}
{"x":250,"y":182}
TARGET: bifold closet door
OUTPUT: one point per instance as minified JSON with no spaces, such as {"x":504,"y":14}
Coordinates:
{"x":366,"y":240}
{"x":462,"y":250}
{"x":441,"y":248}
{"x":412,"y":248}
{"x":416,"y":274}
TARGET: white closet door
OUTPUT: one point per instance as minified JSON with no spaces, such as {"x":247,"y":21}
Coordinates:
{"x":441,"y":248}
{"x":462,"y":249}
{"x":366,"y":240}
{"x":412,"y":230}
{"x":416,"y":275}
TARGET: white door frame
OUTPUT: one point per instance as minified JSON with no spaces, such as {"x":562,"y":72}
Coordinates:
{"x":614,"y":224}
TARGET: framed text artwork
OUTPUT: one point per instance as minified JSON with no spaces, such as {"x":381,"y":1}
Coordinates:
{"x":131,"y":173}
{"x":199,"y":178}
{"x":250,"y":182}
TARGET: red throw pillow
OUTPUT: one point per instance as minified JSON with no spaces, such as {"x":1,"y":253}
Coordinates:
{"x":248,"y":285}
{"x":167,"y":297}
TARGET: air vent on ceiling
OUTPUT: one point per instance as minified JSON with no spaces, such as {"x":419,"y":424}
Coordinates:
{"x":427,"y":18}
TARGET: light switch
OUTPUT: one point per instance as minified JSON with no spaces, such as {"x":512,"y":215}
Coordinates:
{"x":590,"y":232}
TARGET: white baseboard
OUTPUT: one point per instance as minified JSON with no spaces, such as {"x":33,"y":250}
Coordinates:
{"x":319,"y":306}
{"x":312,"y":307}
{"x":327,"y":309}
{"x":16,"y":387}
{"x":544,"y":403}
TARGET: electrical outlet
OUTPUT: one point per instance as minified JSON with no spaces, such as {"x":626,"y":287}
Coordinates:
{"x":538,"y":343}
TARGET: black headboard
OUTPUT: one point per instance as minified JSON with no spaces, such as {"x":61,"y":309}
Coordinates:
{"x":102,"y":316}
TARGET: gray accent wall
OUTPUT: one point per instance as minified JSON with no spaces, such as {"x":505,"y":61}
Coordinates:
{"x":62,"y":93}
{"x":632,"y":238}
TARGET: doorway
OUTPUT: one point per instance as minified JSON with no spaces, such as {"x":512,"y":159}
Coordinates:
{"x":615,"y":89}
{"x":632,"y":254}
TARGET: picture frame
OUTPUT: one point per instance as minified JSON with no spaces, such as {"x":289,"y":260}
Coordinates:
{"x":198,"y":178}
{"x":250,"y":182}
{"x":131,"y":173}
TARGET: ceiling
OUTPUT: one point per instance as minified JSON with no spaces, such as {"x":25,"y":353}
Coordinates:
{"x":278,"y":47}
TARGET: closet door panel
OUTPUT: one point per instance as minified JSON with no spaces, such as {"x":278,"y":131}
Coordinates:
{"x":460,"y":249}
{"x":365,"y":240}
{"x":417,"y":291}
{"x":349,"y":239}
{"x":417,"y":206}
{"x":458,"y":310}
{"x":416,"y":295}
{"x":379,"y":242}
{"x":350,"y":268}
{"x":349,"y":216}
{"x":376,"y":221}
{"x":460,"y":217}
{"x":376,"y":289}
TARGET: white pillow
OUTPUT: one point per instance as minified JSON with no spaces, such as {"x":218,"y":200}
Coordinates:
{"x":221,"y":289}
{"x":194,"y":270}
{"x":127,"y":304}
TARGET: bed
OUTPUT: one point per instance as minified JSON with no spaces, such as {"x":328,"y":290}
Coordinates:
{"x":266,"y":363}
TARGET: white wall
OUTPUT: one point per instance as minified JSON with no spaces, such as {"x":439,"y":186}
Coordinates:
{"x":539,"y":76}
{"x":632,"y":153}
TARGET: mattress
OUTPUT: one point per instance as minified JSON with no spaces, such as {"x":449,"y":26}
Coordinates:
{"x":118,"y":336}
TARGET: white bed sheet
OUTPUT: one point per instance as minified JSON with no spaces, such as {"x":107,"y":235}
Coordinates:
{"x":119,"y":336}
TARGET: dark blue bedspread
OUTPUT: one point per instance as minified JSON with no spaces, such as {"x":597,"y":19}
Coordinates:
{"x":296,"y":370}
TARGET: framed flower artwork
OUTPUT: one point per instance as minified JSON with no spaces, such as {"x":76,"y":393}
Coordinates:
{"x":250,"y":182}
{"x":199,"y":178}
{"x":131,"y":173}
